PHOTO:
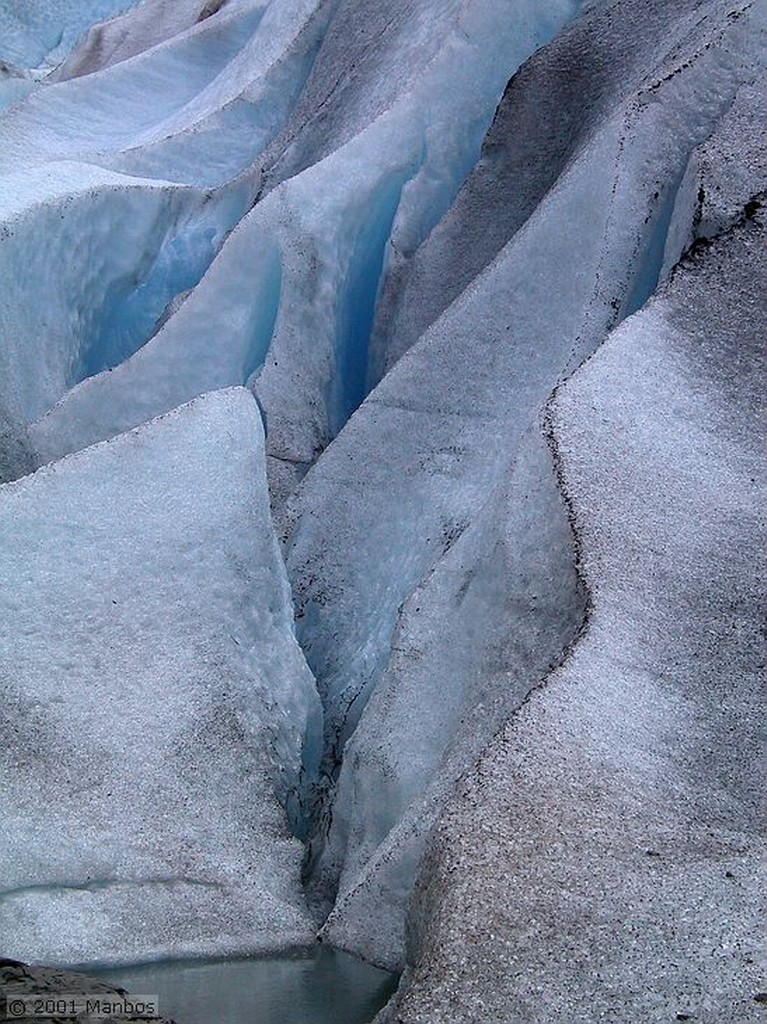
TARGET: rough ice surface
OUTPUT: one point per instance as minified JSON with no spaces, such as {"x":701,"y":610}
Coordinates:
{"x":402,"y":227}
{"x":307,"y":261}
{"x":155,"y":701}
{"x":724,"y":174}
{"x":189,"y":76}
{"x":507,"y":595}
{"x":140,"y":28}
{"x":456,"y":407}
{"x":624,"y":799}
{"x":101,"y":300}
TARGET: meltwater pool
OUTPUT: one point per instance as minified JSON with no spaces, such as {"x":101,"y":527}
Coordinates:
{"x":316,"y":986}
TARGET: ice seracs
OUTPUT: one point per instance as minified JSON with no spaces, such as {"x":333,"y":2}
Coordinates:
{"x":295,"y":196}
{"x":330,"y":225}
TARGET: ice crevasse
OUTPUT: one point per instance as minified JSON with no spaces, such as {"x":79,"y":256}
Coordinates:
{"x":309,"y":585}
{"x":159,"y":171}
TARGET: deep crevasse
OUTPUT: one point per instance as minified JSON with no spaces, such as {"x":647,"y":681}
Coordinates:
{"x":159,"y":286}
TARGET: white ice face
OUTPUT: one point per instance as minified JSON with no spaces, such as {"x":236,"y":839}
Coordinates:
{"x":155,"y":701}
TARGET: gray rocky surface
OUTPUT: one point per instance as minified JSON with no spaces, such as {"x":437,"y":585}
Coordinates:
{"x":20,"y":979}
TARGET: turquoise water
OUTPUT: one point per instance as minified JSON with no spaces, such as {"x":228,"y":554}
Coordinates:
{"x":317,"y":986}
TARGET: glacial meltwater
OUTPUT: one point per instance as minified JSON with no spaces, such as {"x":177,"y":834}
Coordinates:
{"x":316,"y":986}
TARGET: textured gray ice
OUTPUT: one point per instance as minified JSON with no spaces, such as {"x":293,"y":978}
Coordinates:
{"x":605,"y":859}
{"x":380,"y":516}
{"x":384,"y":163}
{"x":295,"y":196}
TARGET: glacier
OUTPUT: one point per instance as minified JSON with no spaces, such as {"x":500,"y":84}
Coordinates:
{"x":155,"y":701}
{"x":459,"y":405}
{"x":380,"y":493}
{"x":36,"y":33}
{"x":623,"y":795}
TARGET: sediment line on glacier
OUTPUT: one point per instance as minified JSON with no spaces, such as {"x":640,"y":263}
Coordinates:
{"x":619,"y":196}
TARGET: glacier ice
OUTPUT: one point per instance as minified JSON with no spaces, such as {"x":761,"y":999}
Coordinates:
{"x":507,"y":595}
{"x":553,"y":108}
{"x":36,"y":31}
{"x":107,"y":299}
{"x":14,"y":86}
{"x":624,"y":797}
{"x":402,"y":227}
{"x":49,"y":125}
{"x":139,"y":29}
{"x":439,"y":432}
{"x":395,"y":175}
{"x":228,"y":125}
{"x":155,"y":701}
{"x":723,"y":175}
{"x":101,"y":300}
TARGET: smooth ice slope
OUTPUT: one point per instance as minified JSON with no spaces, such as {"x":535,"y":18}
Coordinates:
{"x":605,"y":858}
{"x":139,"y":29}
{"x":416,"y":465}
{"x":155,"y":702}
{"x":185,"y":76}
{"x":227,"y":127}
